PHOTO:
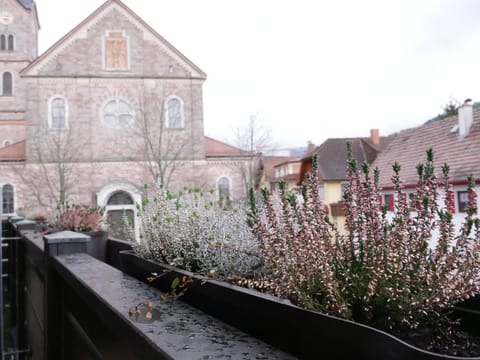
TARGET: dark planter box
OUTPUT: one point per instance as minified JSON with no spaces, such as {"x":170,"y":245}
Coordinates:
{"x":305,"y":334}
{"x":97,"y":246}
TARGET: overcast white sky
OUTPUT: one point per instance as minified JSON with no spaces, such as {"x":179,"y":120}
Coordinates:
{"x":312,"y":69}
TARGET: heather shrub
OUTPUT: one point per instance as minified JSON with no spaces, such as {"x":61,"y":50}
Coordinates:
{"x":192,"y":230}
{"x":383,"y":272}
{"x":81,"y":218}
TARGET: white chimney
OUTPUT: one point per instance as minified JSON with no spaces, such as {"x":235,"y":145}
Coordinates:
{"x":465,"y":118}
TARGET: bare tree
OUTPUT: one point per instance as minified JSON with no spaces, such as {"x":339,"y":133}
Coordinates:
{"x":49,"y":172}
{"x":162,"y":136}
{"x":251,"y":138}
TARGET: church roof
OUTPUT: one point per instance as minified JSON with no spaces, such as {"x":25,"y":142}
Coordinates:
{"x":27,"y":4}
{"x":13,"y":152}
{"x":215,"y":148}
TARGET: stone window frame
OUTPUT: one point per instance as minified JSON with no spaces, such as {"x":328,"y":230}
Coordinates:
{"x":230,"y":187}
{"x":2,"y":79}
{"x":182,"y":112}
{"x":13,"y":198}
{"x":50,"y":116}
{"x":7,"y":42}
{"x":104,"y":38}
{"x":117,"y":126}
{"x":104,"y":195}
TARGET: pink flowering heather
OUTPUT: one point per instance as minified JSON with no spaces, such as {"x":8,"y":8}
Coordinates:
{"x":383,"y":271}
{"x":81,"y":218}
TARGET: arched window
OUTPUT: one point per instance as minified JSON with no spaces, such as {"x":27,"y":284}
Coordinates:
{"x":119,"y":201}
{"x":11,"y":42}
{"x":223,"y":185}
{"x":7,"y":84}
{"x":7,"y":199}
{"x":174,"y":113}
{"x":120,"y":198}
{"x":57,"y":111}
{"x":3,"y":42}
{"x":117,"y":114}
{"x":7,"y":143}
{"x":120,"y":208}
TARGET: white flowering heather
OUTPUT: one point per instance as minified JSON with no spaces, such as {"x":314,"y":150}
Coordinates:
{"x":382,"y":272}
{"x":193,"y":231}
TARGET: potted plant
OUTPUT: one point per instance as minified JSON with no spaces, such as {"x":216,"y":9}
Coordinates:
{"x":88,"y":220}
{"x":380,"y":289}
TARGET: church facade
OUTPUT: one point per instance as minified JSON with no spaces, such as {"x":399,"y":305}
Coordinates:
{"x":108,"y":108}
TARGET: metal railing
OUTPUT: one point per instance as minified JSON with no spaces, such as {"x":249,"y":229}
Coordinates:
{"x":11,"y":314}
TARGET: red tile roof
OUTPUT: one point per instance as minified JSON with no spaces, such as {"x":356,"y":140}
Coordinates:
{"x":13,"y":152}
{"x":215,"y":148}
{"x":269,"y":163}
{"x":409,"y":148}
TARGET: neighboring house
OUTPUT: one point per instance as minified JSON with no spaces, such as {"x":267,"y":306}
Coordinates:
{"x":267,"y":173}
{"x":288,"y":172}
{"x":455,"y":141}
{"x":332,"y":164}
{"x":73,"y":121}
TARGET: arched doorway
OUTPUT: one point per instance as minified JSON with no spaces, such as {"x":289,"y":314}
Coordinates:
{"x":119,"y":201}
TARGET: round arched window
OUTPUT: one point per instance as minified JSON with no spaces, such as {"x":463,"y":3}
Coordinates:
{"x":120,"y":209}
{"x":117,"y":114}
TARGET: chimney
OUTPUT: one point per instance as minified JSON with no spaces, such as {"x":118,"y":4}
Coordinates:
{"x":310,"y":147}
{"x":375,"y":136}
{"x":465,"y":117}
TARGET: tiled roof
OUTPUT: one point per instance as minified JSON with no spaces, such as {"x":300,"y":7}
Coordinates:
{"x":332,"y":155}
{"x":215,"y":148}
{"x":14,"y":152}
{"x":27,"y":4}
{"x":288,"y":177}
{"x":409,"y":148}
{"x":269,"y":163}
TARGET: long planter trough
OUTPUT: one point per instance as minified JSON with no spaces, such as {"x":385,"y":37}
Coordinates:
{"x":303,"y":333}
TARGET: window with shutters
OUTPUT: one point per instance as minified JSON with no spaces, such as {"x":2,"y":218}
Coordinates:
{"x":388,"y":201}
{"x":8,"y":206}
{"x":7,"y":84}
{"x":117,"y":114}
{"x":57,"y":113}
{"x":174,"y":113}
{"x":3,"y":42}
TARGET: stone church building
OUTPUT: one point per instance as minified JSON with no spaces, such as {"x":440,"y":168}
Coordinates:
{"x":109,"y":107}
